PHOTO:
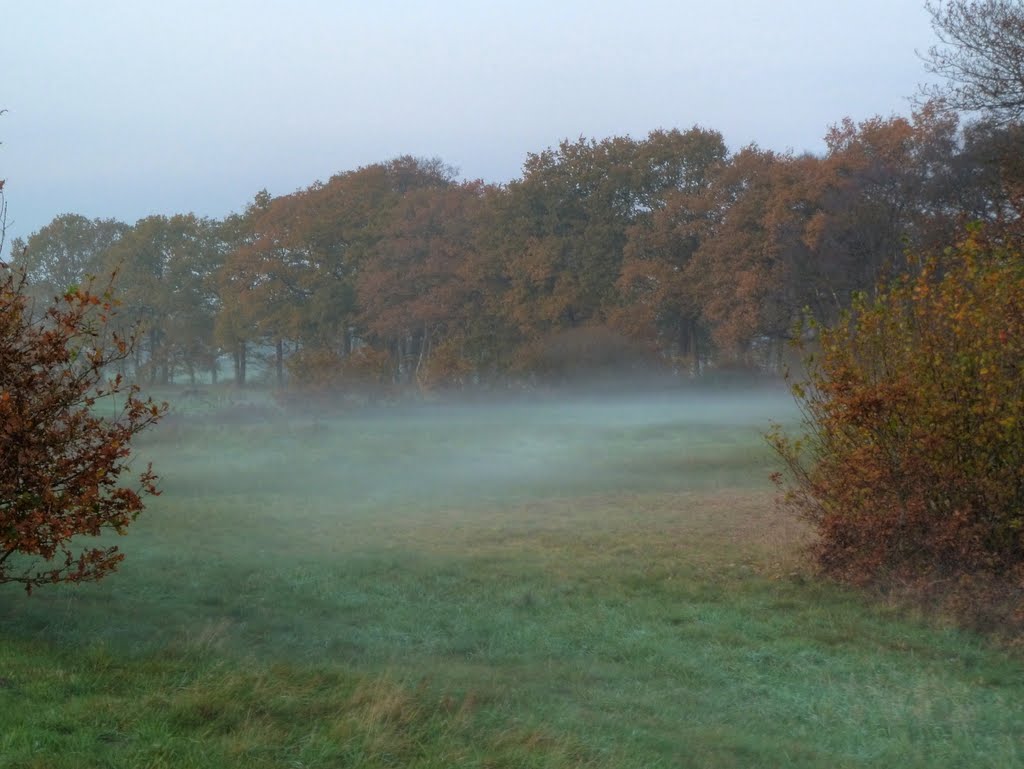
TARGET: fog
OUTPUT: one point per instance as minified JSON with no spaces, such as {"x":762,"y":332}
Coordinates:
{"x":358,"y":531}
{"x":432,"y":455}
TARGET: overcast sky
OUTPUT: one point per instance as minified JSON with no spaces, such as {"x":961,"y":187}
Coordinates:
{"x":127,"y":108}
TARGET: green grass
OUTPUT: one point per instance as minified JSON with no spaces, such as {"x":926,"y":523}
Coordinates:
{"x":596,"y":585}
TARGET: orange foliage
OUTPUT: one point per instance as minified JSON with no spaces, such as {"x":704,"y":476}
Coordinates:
{"x":913,"y":459}
{"x":60,"y":462}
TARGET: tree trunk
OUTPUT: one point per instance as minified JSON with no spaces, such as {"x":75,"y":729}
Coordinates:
{"x":684,"y":338}
{"x":346,"y":341}
{"x":279,"y":361}
{"x":153,"y":364}
{"x":780,"y":355}
{"x":423,"y":352}
{"x":238,"y":357}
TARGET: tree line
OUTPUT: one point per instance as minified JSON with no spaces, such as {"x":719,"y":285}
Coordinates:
{"x":622,"y":251}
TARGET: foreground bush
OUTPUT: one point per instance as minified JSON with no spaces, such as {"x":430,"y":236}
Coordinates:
{"x":61,"y":459}
{"x":912,"y":461}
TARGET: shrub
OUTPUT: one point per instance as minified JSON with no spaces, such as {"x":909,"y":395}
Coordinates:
{"x":912,"y":459}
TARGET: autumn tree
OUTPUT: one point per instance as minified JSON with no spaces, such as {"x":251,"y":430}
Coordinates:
{"x":232,"y":331}
{"x":419,"y":291}
{"x":65,"y":252}
{"x":339,"y":224}
{"x":193,"y":301}
{"x":564,"y":226}
{"x":65,"y":434}
{"x":292,"y":277}
{"x":980,"y":54}
{"x":660,"y":298}
{"x":883,"y":186}
{"x":165,"y":266}
{"x":748,"y":227}
{"x":268,"y":279}
{"x":771,"y":234}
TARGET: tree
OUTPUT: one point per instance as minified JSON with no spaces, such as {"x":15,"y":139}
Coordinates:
{"x":292,"y":275}
{"x":61,"y":459}
{"x":65,"y":252}
{"x":229,"y":285}
{"x":418,"y":290}
{"x":567,"y":225}
{"x":772,"y":234}
{"x":885,"y":185}
{"x":745,"y":272}
{"x":564,"y":226}
{"x":912,"y":461}
{"x":167,"y":264}
{"x":658,"y":292}
{"x":981,"y":54}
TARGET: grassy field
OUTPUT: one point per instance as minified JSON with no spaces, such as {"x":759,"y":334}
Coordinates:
{"x":594,"y":583}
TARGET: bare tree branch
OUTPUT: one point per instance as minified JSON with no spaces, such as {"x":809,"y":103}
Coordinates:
{"x":981,"y":56}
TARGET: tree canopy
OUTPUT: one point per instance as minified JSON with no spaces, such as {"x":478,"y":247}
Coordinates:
{"x":695,"y":255}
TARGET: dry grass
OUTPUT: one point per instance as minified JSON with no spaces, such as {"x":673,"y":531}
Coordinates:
{"x":708,"y":529}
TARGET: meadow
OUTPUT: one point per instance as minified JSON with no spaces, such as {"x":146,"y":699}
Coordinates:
{"x":588,"y":582}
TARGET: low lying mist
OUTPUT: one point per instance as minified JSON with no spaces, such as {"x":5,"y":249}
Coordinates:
{"x":415,"y":534}
{"x":451,"y":453}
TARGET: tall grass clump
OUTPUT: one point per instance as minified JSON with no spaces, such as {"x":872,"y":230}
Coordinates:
{"x":911,"y":463}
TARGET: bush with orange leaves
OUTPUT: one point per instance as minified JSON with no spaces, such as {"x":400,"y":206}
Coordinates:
{"x":61,"y":459}
{"x":911,"y":462}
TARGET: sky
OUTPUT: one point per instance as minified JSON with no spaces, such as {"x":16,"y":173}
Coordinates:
{"x":124,"y":109}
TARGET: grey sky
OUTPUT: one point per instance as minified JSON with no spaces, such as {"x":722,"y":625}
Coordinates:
{"x":126,"y":108}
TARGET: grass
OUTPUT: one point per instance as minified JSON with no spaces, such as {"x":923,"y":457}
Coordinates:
{"x":585,"y":585}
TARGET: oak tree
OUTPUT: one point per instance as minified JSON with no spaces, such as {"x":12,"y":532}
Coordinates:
{"x":418,"y":291}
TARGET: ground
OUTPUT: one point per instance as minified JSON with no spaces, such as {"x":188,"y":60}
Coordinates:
{"x":586,"y":583}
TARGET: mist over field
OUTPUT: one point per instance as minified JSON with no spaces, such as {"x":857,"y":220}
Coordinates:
{"x":439,"y":453}
{"x":255,"y":497}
